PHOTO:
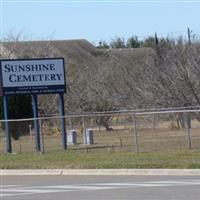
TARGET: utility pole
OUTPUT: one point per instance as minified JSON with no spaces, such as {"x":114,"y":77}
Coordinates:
{"x":156,"y":39}
{"x":157,"y":45}
{"x":189,"y":42}
{"x":189,"y":36}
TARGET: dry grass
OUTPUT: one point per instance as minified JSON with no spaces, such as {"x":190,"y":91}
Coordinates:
{"x":158,"y":148}
{"x":122,"y":138}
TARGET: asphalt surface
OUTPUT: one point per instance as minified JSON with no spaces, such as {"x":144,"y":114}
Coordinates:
{"x":100,"y":187}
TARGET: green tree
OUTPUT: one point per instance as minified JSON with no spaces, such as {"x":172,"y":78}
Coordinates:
{"x":149,"y":42}
{"x":103,"y":45}
{"x":19,"y":107}
{"x":133,"y":42}
{"x":118,"y":42}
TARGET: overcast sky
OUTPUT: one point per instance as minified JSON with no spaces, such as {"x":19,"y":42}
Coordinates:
{"x":98,"y":20}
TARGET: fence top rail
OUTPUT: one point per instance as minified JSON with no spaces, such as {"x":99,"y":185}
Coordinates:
{"x":135,"y":110}
{"x":113,"y":113}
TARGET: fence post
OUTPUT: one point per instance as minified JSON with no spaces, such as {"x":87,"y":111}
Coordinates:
{"x":135,"y":133}
{"x":121,"y":143}
{"x":36,"y":122}
{"x":154,"y":122}
{"x":125,"y":115}
{"x":42,"y":136}
{"x":84,"y":132}
{"x":30,"y":131}
{"x":188,"y":130}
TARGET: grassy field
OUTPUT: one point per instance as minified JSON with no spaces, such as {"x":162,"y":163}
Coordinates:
{"x":98,"y":160}
{"x":149,"y":140}
{"x":162,"y":147}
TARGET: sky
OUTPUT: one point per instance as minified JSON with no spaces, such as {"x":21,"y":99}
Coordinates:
{"x":97,"y":20}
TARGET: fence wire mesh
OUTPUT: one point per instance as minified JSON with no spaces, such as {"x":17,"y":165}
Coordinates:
{"x":124,"y":131}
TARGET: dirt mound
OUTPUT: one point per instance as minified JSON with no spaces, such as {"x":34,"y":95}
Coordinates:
{"x":77,"y":53}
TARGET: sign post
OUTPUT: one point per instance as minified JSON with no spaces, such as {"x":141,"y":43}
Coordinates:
{"x":63,"y":130}
{"x":33,"y":77}
{"x":7,"y":132}
{"x":36,"y":122}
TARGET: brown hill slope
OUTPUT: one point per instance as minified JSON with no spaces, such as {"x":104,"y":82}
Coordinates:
{"x":87,"y":67}
{"x":74,"y":51}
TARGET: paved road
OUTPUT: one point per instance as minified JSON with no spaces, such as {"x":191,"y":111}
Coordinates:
{"x":100,"y":187}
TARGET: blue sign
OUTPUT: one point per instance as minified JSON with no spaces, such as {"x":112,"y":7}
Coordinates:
{"x":32,"y":76}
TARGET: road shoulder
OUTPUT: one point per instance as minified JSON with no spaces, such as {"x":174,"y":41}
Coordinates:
{"x":167,"y":172}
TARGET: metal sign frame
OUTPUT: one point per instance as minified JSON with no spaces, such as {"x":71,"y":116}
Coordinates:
{"x":33,"y":88}
{"x":24,"y":90}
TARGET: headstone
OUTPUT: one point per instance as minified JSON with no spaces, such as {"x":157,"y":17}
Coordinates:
{"x":71,"y":137}
{"x":88,"y":137}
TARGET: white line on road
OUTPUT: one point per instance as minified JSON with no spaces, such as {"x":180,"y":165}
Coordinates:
{"x":16,"y":190}
{"x":7,"y":186}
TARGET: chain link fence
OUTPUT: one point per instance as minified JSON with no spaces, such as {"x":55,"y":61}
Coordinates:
{"x":138,"y":131}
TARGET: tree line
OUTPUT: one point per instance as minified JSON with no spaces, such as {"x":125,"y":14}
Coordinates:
{"x":166,"y":74}
{"x":131,"y":42}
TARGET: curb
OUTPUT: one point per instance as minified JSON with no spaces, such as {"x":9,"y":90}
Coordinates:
{"x":135,"y":172}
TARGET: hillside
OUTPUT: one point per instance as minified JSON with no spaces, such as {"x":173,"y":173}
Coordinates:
{"x":79,"y":52}
{"x":87,"y":68}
